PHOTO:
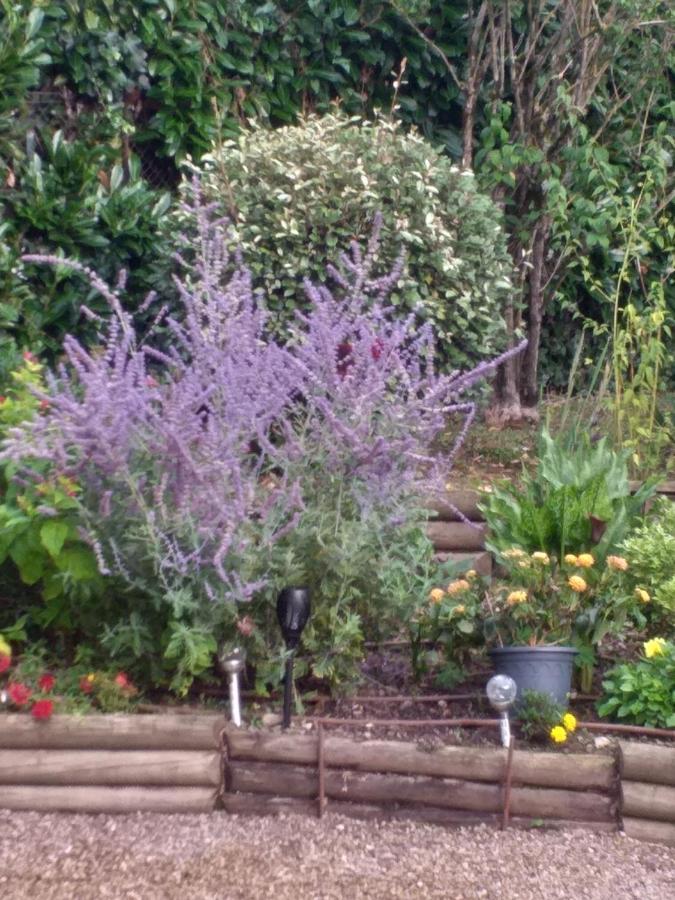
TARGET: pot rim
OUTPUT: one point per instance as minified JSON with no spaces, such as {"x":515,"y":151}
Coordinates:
{"x":537,"y":648}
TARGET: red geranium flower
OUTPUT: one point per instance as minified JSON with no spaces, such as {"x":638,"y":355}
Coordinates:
{"x":5,"y":662}
{"x":42,"y":709}
{"x":46,"y":682}
{"x":87,"y":684}
{"x":122,"y":679}
{"x":19,"y":694}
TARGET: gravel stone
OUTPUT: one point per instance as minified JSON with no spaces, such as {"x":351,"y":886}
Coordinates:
{"x":208,"y":857}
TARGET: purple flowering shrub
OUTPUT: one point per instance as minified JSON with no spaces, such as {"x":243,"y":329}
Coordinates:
{"x":216,"y":465}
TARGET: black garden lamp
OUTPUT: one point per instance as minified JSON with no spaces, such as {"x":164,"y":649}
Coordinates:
{"x":293,"y":608}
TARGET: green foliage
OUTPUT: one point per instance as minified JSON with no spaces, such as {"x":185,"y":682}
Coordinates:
{"x":298,"y":194}
{"x":650,"y":551}
{"x":643,"y":692}
{"x":40,"y":520}
{"x":554,"y":507}
{"x":537,"y":714}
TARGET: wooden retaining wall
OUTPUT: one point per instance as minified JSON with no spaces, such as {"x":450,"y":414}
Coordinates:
{"x":394,"y":779}
{"x":648,"y":791}
{"x":113,"y":763}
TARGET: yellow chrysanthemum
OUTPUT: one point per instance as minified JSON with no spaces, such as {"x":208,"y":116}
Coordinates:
{"x":570,"y":559}
{"x":654,"y":647}
{"x":91,"y":677}
{"x":516,"y":597}
{"x":569,"y":722}
{"x":436,"y":595}
{"x":456,"y":587}
{"x":514,"y":553}
{"x":5,"y":649}
{"x":642,"y":595}
{"x":618,"y":563}
{"x":558,"y":734}
{"x":585,"y":560}
{"x":541,"y":557}
{"x":524,"y":564}
{"x":460,"y":609}
{"x":577,"y":583}
{"x":471,"y":574}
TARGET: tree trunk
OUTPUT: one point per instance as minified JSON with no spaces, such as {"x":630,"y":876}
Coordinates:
{"x":529,"y":386}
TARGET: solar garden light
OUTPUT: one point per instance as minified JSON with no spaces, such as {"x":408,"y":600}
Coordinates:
{"x":232,"y":663}
{"x":293,"y":608}
{"x":501,"y":692}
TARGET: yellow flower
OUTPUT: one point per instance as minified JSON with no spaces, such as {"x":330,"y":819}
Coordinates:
{"x":585,"y":560}
{"x":654,"y":647}
{"x":541,"y":557}
{"x":456,"y":587}
{"x":618,"y":563}
{"x":642,"y":595}
{"x":569,"y":722}
{"x":577,"y":583}
{"x":471,"y":574}
{"x":516,"y":597}
{"x":524,"y":564}
{"x":5,"y":649}
{"x":460,"y":609}
{"x":558,"y":734}
{"x":91,"y":677}
{"x":436,"y":595}
{"x":570,"y":559}
{"x":514,"y":553}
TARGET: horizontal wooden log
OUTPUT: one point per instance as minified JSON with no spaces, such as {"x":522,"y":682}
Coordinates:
{"x":98,"y":799}
{"x":574,"y":771}
{"x":124,"y":767}
{"x":456,"y":535}
{"x":112,"y":732}
{"x":646,"y":830}
{"x":298,"y":781}
{"x":479,"y":560}
{"x":647,"y":762}
{"x":265,"y":805}
{"x":452,"y":505}
{"x":642,"y":800}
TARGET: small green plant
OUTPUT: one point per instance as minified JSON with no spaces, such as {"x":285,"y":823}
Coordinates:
{"x":577,"y":499}
{"x":541,"y":718}
{"x":650,"y":551}
{"x":643,"y":692}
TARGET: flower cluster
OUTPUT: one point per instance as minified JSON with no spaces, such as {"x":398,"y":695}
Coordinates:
{"x":567,"y":726}
{"x":20,"y":695}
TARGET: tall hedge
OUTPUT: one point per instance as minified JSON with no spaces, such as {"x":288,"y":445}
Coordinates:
{"x":299,"y":194}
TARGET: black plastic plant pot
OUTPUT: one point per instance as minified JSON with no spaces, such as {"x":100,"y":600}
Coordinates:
{"x":547,"y":670}
{"x":293,"y":609}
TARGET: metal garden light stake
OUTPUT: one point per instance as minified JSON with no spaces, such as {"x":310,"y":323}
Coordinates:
{"x":501,"y":691}
{"x":232,"y":664}
{"x":293,"y":608}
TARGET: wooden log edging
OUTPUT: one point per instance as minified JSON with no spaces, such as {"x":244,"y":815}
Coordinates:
{"x":648,"y":791}
{"x":449,"y":785}
{"x":111,"y":763}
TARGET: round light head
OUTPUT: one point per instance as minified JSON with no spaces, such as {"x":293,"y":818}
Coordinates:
{"x":233,"y":661}
{"x":501,"y":692}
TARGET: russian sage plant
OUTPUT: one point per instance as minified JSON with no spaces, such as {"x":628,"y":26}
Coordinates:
{"x":204,"y":449}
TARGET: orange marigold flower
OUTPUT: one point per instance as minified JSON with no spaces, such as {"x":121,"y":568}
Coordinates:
{"x":618,"y":563}
{"x":456,"y":587}
{"x":577,"y":583}
{"x":436,"y":595}
{"x":642,"y":595}
{"x":585,"y":560}
{"x":516,"y":597}
{"x":570,"y":559}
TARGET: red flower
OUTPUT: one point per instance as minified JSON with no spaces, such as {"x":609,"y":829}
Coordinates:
{"x":2,"y":399}
{"x":42,"y":709}
{"x":5,"y":662}
{"x":344,"y":358}
{"x":122,"y":680}
{"x":19,"y":694}
{"x":46,"y":682}
{"x":377,"y":349}
{"x":28,"y":356}
{"x":44,"y":404}
{"x":87,"y":684}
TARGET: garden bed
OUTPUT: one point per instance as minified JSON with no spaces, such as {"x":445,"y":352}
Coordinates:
{"x":200,"y":763}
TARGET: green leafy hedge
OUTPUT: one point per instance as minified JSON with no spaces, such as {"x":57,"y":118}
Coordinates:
{"x":297,"y":194}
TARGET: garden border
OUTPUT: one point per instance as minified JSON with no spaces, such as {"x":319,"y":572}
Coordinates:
{"x":201,"y":763}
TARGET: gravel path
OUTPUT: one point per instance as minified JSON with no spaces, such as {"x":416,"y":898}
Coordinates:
{"x":202,"y":857}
